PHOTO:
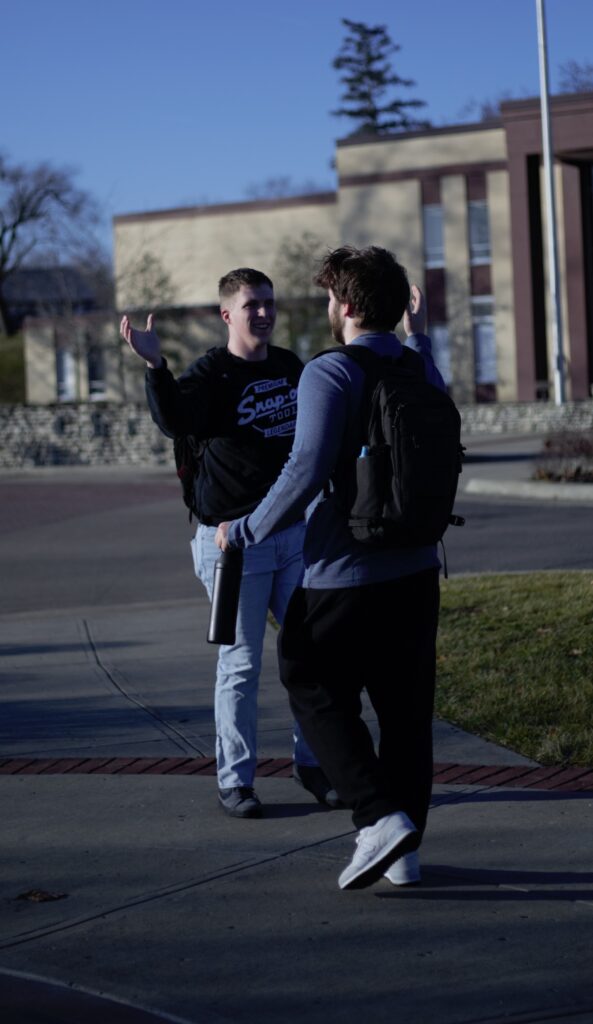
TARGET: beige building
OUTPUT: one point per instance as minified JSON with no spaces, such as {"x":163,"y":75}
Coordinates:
{"x":78,"y":358}
{"x":462,"y":207}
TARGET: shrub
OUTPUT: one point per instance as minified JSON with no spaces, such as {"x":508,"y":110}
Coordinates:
{"x":567,"y":457}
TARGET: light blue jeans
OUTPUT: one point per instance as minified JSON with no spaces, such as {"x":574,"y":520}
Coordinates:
{"x":271,"y":570}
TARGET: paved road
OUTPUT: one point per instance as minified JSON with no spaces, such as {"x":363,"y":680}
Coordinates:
{"x":515,"y":536}
{"x":93,"y":539}
{"x":162,"y":901}
{"x":71,"y":539}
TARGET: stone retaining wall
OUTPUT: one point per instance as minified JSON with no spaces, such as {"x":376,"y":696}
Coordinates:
{"x":111,"y":434}
{"x":526,"y":417}
{"x":85,"y":434}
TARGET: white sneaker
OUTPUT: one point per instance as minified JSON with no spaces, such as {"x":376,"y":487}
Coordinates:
{"x":405,"y":871}
{"x":377,"y":847}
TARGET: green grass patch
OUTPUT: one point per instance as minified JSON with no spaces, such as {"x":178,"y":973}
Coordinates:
{"x":515,"y":662}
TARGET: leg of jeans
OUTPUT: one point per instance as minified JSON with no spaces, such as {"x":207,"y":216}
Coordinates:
{"x":289,"y":566}
{"x":238,"y":668}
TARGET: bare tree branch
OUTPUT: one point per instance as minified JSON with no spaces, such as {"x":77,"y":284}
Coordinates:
{"x":43,"y":214}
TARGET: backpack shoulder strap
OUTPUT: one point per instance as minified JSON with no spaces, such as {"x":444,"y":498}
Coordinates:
{"x":370,"y":361}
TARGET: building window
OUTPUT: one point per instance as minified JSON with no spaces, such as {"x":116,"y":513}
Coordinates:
{"x":65,"y":375}
{"x":441,"y":351}
{"x":486,"y":375}
{"x":479,"y":233}
{"x":434,"y":246}
{"x":96,"y":372}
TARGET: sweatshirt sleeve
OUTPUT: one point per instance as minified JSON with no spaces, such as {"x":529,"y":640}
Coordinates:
{"x":322,"y":410}
{"x":180,"y":407}
{"x":422,"y":344}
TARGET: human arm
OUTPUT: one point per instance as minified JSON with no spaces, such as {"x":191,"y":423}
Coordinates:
{"x":414,"y":324}
{"x":178,"y":407}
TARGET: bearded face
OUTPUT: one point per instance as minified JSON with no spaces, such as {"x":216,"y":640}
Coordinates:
{"x":336,"y":320}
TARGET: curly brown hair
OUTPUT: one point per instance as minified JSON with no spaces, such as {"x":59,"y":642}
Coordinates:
{"x":371,"y":280}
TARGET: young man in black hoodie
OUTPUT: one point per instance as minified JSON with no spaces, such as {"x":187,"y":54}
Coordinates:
{"x":241,"y":400}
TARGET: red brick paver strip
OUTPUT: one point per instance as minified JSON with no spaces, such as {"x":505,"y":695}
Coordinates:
{"x":159,"y":766}
{"x":38,"y":766}
{"x":585,"y":782}
{"x":550,"y":777}
{"x":114,"y":766}
{"x":139,"y":765}
{"x":514,"y":775}
{"x":93,"y":764}
{"x":451,"y":772}
{"x":540,"y":777}
{"x":15,"y":765}
{"x":281,"y":766}
{"x":472,"y":775}
{"x":62,"y":766}
{"x":566,"y":777}
{"x":195,"y":766}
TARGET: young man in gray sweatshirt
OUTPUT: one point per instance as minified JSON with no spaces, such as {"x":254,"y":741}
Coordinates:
{"x":362,"y":618}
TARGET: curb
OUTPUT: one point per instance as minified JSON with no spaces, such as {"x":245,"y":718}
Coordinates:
{"x":525,"y":489}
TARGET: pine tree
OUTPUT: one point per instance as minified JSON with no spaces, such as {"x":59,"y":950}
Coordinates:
{"x":368,"y":77}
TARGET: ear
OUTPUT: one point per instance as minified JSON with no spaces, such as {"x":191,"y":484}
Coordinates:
{"x":226,"y":316}
{"x":348,"y":310}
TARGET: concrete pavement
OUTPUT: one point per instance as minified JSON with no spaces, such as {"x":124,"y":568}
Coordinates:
{"x":127,"y":896}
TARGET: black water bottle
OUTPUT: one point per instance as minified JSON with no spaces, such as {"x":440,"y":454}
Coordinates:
{"x":225,"y":597}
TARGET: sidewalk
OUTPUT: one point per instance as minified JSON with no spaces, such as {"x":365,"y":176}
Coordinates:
{"x":158,"y":907}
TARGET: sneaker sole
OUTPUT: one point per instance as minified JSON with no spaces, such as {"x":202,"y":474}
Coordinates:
{"x":410,"y":883}
{"x":406,"y":875}
{"x":371,"y":873}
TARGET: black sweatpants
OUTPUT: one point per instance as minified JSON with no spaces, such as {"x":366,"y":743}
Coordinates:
{"x":382,"y":638}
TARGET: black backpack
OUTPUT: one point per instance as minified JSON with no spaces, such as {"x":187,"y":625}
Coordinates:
{"x":188,"y":450}
{"x":402,"y":488}
{"x":188,"y":456}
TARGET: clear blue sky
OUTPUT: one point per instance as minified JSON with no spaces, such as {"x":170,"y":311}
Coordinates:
{"x":160,"y":104}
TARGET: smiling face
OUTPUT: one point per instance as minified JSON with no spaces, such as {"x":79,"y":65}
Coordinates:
{"x":250,"y":315}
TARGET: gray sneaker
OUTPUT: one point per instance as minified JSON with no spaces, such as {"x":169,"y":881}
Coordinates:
{"x":240,"y":802}
{"x":313,"y":779}
{"x":377,"y":847}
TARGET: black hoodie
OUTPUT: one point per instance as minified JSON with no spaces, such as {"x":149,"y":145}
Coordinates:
{"x":245,"y":410}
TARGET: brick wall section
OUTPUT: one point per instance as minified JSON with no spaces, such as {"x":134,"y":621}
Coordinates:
{"x":91,"y":434}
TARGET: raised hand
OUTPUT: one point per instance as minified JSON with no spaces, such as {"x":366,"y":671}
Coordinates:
{"x":145,"y":344}
{"x":414,"y":319}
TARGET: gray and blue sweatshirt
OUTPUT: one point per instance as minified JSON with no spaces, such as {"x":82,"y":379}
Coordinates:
{"x":327,"y":439}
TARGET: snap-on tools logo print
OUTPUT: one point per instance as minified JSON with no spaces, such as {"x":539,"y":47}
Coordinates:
{"x":269,"y":406}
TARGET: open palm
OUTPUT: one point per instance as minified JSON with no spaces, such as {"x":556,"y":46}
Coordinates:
{"x":145,"y":344}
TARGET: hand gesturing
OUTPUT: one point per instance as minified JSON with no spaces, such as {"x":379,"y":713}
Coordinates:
{"x":145,"y":344}
{"x":414,"y":319}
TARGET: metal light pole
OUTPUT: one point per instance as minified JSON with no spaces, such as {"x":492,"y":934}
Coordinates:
{"x":559,"y":388}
